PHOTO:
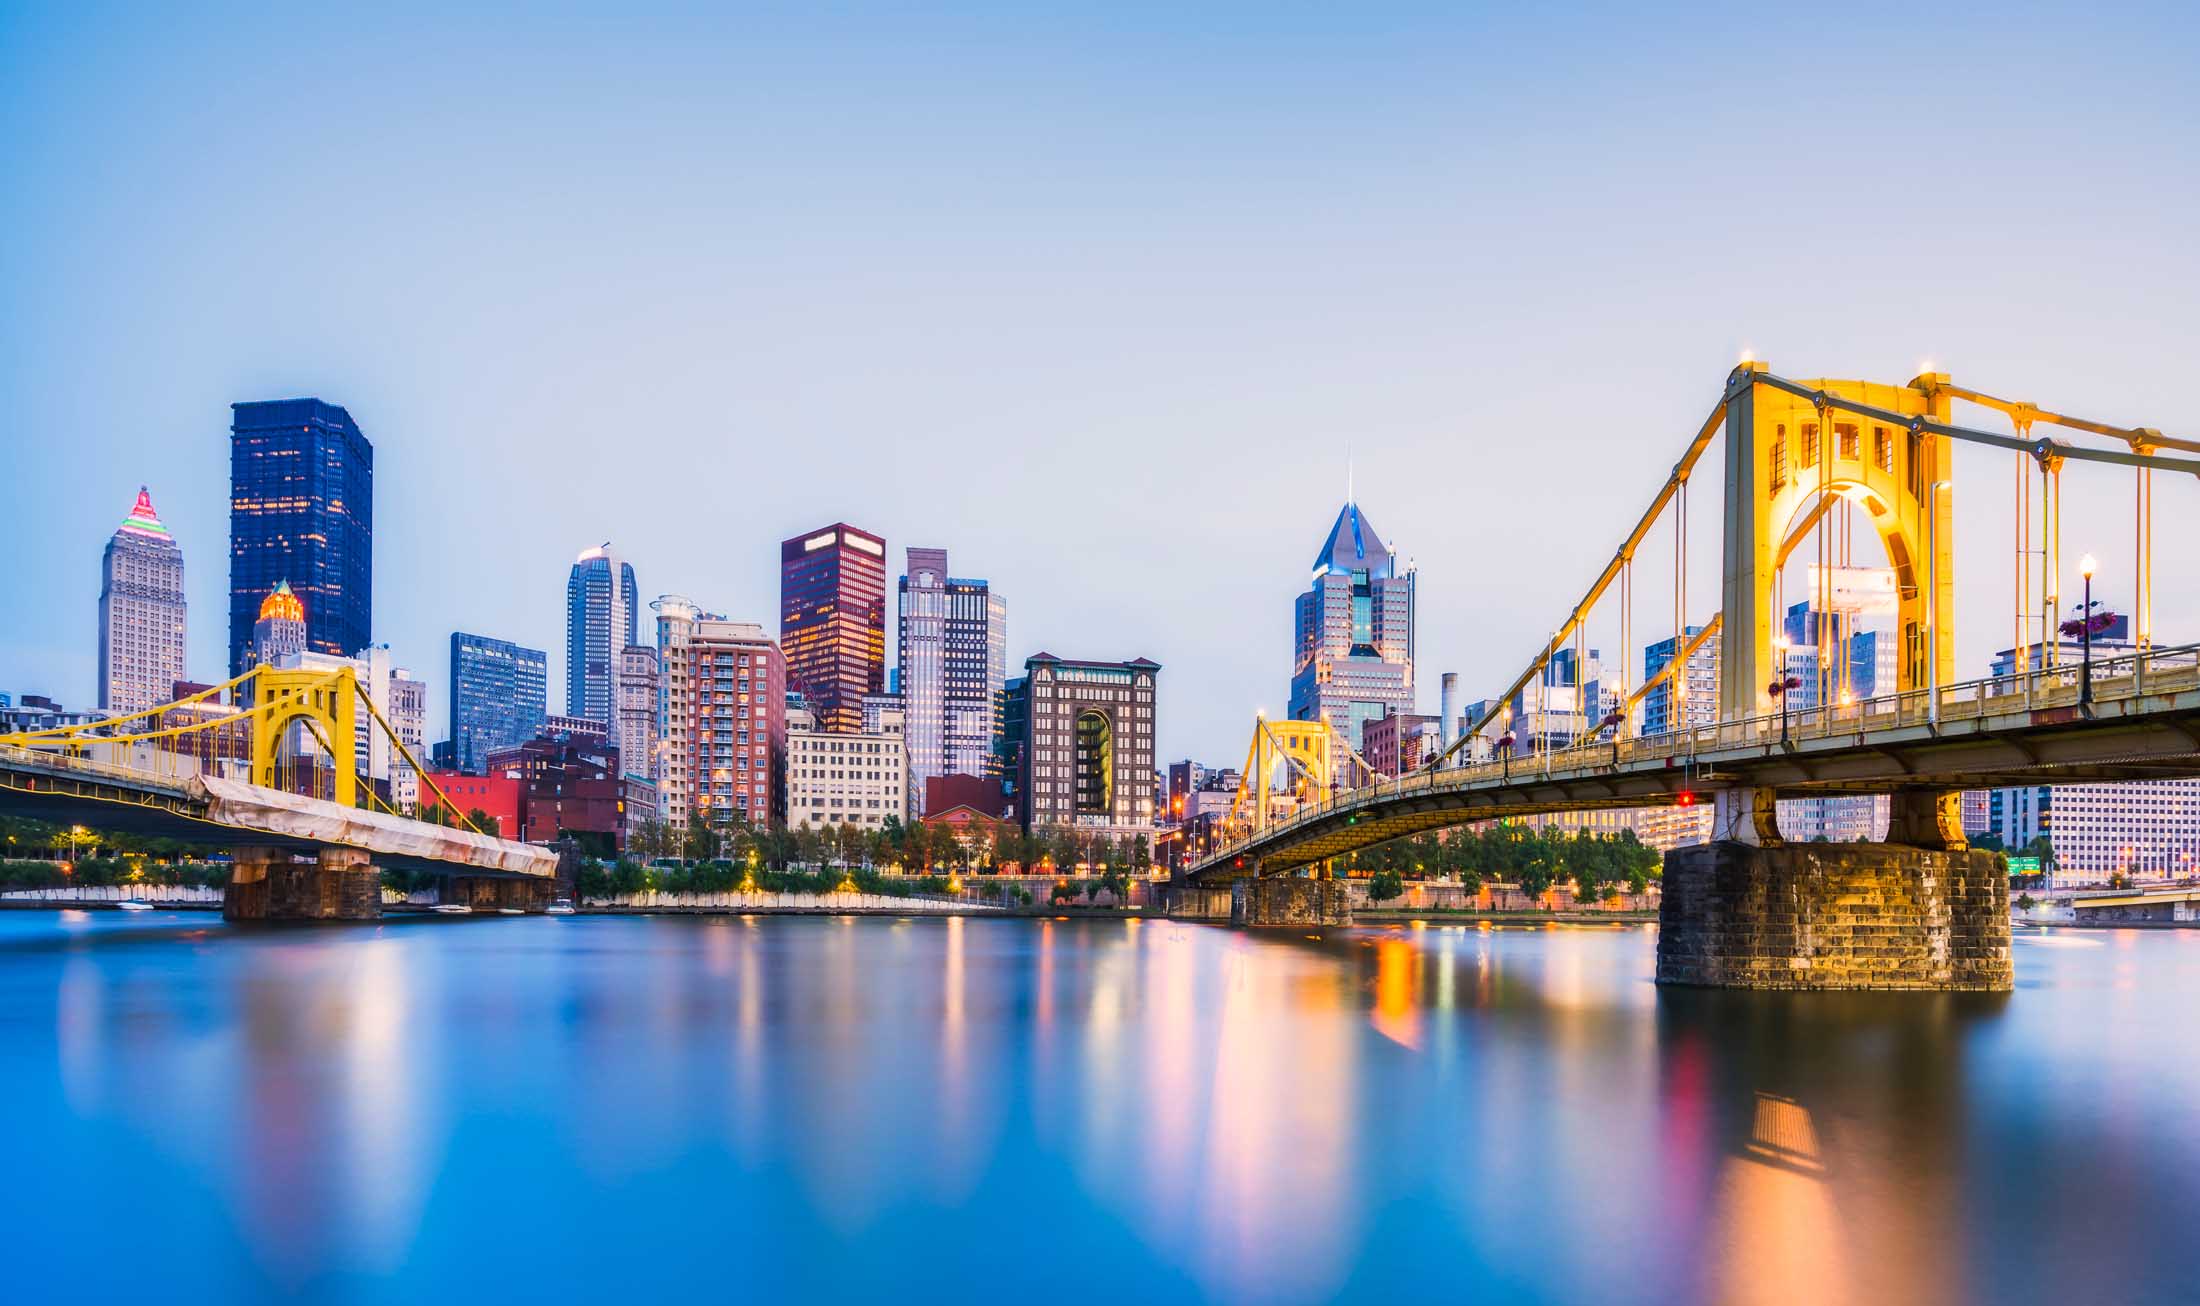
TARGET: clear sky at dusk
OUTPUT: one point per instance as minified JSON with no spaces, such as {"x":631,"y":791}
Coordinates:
{"x":1100,"y":299}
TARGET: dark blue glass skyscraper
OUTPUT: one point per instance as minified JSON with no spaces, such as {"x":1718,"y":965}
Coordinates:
{"x":499,"y":694}
{"x":301,"y":509}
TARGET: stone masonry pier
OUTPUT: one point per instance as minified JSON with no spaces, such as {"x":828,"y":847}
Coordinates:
{"x":1834,"y":916}
{"x":1249,"y":900}
{"x":267,"y":884}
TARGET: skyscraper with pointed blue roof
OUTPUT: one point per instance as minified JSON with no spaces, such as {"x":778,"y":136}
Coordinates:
{"x":1354,"y":651}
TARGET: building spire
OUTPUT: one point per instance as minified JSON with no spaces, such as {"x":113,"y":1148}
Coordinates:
{"x":142,"y":518}
{"x":1348,"y":478}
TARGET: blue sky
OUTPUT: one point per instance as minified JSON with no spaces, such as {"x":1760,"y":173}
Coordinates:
{"x":1100,"y":299}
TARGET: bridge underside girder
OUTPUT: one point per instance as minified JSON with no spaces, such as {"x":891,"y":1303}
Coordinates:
{"x":2050,"y":746}
{"x":161,"y":812}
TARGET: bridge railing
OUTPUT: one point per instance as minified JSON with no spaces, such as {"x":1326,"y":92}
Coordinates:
{"x":2123,"y":677}
{"x":58,"y":759}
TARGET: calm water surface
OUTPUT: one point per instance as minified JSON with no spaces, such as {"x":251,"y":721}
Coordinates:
{"x":772,"y":1108}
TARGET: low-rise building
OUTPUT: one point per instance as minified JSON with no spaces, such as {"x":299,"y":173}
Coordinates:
{"x":856,"y":779}
{"x":502,"y":797}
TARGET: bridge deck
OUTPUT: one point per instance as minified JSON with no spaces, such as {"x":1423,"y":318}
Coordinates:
{"x":219,"y":813}
{"x":2143,"y":724}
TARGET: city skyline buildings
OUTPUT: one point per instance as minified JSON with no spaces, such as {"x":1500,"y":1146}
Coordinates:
{"x":301,"y":512}
{"x":143,"y":626}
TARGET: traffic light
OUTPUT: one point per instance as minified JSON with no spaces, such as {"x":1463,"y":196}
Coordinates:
{"x":1687,"y":798}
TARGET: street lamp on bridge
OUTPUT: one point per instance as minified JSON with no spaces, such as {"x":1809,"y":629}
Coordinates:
{"x":2085,"y":626}
{"x":1781,"y":684}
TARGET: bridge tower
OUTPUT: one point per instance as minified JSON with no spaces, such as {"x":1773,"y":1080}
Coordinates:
{"x":1790,"y":460}
{"x":328,"y":702}
{"x":1306,"y":746}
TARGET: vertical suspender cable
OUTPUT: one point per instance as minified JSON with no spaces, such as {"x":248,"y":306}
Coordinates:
{"x":2142,"y":602}
{"x":2051,"y":580}
{"x":2022,"y":653}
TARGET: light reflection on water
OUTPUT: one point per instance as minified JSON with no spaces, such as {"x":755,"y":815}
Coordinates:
{"x":1085,"y":1110}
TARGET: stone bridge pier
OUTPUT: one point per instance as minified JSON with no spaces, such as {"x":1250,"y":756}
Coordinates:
{"x":1255,"y":900}
{"x":269,"y":884}
{"x":1751,"y":911}
{"x":497,"y":893}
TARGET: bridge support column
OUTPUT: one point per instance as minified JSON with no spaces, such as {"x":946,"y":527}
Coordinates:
{"x":1290,"y":900}
{"x":492,"y":893}
{"x":1834,"y":916}
{"x":267,"y":884}
{"x":245,"y":898}
{"x":1750,"y":816}
{"x":346,"y":887}
{"x":1927,"y":820}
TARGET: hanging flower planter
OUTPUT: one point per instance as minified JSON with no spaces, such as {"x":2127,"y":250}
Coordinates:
{"x":2079,"y":627}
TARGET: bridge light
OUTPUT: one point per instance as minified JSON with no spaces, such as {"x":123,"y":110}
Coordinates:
{"x":1686,"y":798}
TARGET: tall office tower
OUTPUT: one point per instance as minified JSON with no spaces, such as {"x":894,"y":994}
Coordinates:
{"x":301,"y":510}
{"x":1687,"y":699}
{"x":1354,"y":656}
{"x":723,"y":691}
{"x":602,"y":618}
{"x":1087,"y":750}
{"x":499,"y":697}
{"x":952,"y":662}
{"x":634,"y":720}
{"x":141,"y":616}
{"x":832,"y":620}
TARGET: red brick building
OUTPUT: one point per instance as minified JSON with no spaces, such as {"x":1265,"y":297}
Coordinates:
{"x":567,"y":786}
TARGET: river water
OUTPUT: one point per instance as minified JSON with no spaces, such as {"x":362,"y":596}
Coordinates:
{"x":628,"y":1108}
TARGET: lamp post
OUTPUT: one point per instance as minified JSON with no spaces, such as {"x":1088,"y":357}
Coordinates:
{"x":2086,"y":567}
{"x":1781,"y":684}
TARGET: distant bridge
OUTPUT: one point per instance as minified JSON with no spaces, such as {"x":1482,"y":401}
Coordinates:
{"x":138,"y":774}
{"x":2143,"y":723}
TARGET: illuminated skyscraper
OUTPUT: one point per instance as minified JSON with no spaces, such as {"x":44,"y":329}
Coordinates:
{"x":141,"y":613}
{"x":301,"y":510}
{"x":280,"y":630}
{"x":1354,"y":654}
{"x":832,"y":621}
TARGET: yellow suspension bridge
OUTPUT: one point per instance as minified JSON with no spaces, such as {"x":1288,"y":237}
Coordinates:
{"x":1802,"y":462}
{"x":277,"y":778}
